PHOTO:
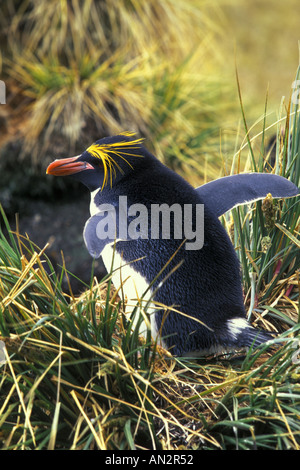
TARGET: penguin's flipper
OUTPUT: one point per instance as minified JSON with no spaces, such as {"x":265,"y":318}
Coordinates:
{"x":95,"y":237}
{"x":228,"y":192}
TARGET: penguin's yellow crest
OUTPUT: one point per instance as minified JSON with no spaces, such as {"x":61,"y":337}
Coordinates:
{"x":106,"y":152}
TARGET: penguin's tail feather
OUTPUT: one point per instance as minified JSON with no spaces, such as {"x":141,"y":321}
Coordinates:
{"x":245,"y":335}
{"x":253,"y":337}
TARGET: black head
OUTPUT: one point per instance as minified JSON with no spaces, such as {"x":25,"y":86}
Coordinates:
{"x":105,"y":162}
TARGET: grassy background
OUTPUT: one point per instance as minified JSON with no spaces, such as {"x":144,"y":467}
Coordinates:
{"x":266,"y":39}
{"x":75,"y":375}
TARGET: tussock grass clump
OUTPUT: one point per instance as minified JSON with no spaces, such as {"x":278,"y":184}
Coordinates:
{"x":78,"y":71}
{"x":76,"y":377}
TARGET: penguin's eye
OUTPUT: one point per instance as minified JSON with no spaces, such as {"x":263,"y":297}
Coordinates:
{"x":97,"y":163}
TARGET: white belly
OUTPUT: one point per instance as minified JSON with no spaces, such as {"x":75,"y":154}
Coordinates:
{"x":93,"y":208}
{"x":132,"y":289}
{"x":131,"y":286}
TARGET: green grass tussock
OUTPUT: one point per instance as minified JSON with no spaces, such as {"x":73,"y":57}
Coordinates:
{"x":78,"y":71}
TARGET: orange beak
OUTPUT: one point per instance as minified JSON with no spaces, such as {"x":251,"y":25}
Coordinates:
{"x":67,"y":166}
